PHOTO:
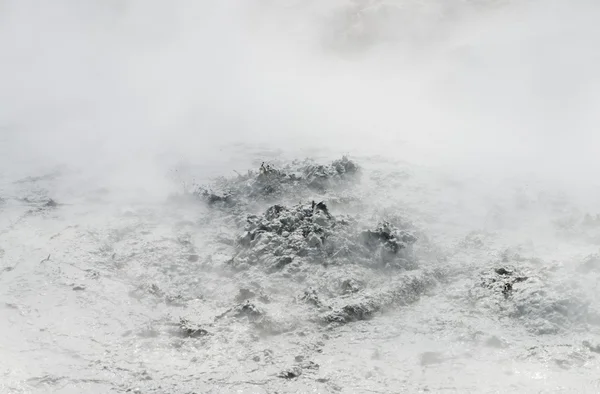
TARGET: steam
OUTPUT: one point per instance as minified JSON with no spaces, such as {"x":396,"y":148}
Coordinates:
{"x":132,"y":87}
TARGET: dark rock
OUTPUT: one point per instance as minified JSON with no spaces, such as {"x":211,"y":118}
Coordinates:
{"x":247,"y":309}
{"x":507,"y":289}
{"x":503,"y":271}
{"x":190,"y":330}
{"x":290,"y":373}
{"x":504,"y":280}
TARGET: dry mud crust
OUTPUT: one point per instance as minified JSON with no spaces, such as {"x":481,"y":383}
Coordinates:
{"x":289,"y":237}
{"x":402,"y":290}
{"x":304,"y":265}
{"x":270,"y":184}
{"x":342,"y":270}
{"x":524,"y":292}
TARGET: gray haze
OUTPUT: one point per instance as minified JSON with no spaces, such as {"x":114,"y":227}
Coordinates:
{"x":489,"y":107}
{"x":509,"y":86}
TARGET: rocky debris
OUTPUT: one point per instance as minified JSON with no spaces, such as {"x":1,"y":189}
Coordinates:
{"x":290,"y":373}
{"x":288,"y":237}
{"x":144,"y":375}
{"x":503,"y":280}
{"x":341,"y":268}
{"x":404,"y":290}
{"x":503,"y":271}
{"x":39,"y":204}
{"x":388,"y":236}
{"x":506,"y":280}
{"x":353,"y":312}
{"x":191,"y":330}
{"x":297,"y":370}
{"x":525,"y":294}
{"x":309,"y":365}
{"x":321,"y":178}
{"x":255,"y":315}
{"x":310,"y":297}
{"x":389,"y":241}
{"x":247,"y":309}
{"x":270,"y":183}
{"x":92,"y":274}
{"x":268,"y":355}
{"x":210,"y":197}
{"x":175,"y":300}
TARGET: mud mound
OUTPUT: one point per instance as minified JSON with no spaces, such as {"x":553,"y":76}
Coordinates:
{"x":341,"y":269}
{"x":402,"y":290}
{"x":270,"y":184}
{"x":288,"y":237}
{"x":297,"y":266}
{"x":525,"y":293}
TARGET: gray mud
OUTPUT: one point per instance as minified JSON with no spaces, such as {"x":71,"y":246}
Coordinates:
{"x":298,"y":277}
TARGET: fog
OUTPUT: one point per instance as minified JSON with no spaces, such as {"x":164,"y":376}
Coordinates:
{"x":475,"y":119}
{"x":495,"y":85}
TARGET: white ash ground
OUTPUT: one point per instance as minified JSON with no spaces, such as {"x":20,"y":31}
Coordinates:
{"x":173,"y":298}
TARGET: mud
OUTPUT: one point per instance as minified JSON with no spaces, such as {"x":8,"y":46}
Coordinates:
{"x":339,"y":268}
{"x":270,"y":184}
{"x":286,"y":238}
{"x":522,"y":291}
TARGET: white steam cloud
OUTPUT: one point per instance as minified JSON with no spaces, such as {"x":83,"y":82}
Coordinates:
{"x":508,"y":87}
